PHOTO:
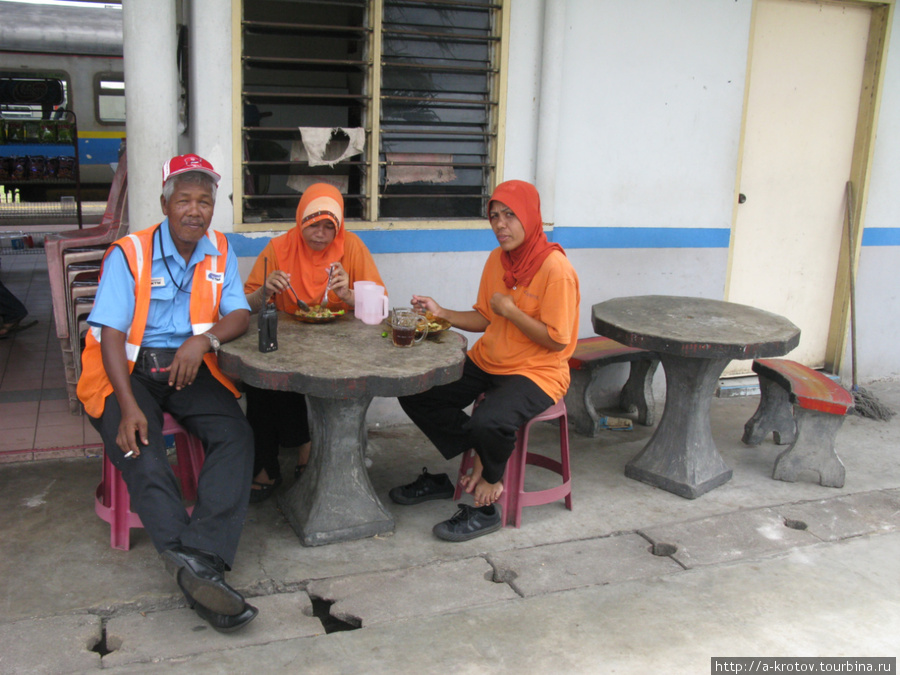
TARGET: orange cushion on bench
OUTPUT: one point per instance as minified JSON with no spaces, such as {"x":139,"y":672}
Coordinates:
{"x":809,"y":388}
{"x":594,"y":348}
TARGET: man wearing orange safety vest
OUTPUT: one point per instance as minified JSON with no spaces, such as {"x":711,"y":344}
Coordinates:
{"x":168,"y":297}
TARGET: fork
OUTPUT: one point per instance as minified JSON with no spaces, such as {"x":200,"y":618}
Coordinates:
{"x":327,"y":286}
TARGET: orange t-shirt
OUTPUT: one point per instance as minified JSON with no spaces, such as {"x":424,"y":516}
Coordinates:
{"x":553,"y":298}
{"x":356,"y":260}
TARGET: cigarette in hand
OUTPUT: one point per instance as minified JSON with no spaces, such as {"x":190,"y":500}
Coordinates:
{"x":129,"y":454}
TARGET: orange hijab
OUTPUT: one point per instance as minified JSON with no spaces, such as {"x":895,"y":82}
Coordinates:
{"x":309,"y":268}
{"x":523,"y":262}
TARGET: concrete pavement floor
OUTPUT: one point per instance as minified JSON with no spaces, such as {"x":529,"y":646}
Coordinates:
{"x":756,"y":567}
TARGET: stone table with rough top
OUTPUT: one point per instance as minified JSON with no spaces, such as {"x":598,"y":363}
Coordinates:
{"x":340,"y":366}
{"x":695,"y":339}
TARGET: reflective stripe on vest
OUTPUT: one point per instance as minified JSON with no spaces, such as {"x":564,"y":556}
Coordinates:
{"x":206,"y":292}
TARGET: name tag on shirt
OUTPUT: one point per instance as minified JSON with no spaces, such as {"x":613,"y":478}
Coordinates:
{"x":157,"y":282}
{"x":215,"y":277}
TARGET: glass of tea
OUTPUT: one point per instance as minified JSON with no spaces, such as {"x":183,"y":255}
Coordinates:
{"x":407,"y":327}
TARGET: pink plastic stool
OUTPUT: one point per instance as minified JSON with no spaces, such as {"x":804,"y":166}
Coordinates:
{"x":112,"y":502}
{"x":514,"y":496}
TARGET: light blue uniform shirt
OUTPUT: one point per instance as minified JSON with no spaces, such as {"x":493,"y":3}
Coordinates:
{"x":169,"y":318}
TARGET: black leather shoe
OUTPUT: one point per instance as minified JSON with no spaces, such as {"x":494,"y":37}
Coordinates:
{"x":227,"y":624}
{"x":221,"y":622}
{"x":197,"y":574}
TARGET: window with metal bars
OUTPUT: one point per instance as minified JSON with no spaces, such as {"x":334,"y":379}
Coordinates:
{"x":423,"y":148}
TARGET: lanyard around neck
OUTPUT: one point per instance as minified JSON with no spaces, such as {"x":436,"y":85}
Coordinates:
{"x":162,"y":250}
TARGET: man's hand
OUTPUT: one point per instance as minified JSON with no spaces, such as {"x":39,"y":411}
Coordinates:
{"x":132,"y":433}
{"x":187,"y":361}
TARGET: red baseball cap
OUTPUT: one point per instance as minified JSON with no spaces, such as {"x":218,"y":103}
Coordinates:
{"x":185,"y":163}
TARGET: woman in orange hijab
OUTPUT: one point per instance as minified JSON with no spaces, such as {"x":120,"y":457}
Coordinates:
{"x":527,"y":310}
{"x":299,"y":261}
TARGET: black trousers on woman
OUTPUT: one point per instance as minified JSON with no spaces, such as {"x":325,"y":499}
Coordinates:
{"x":278,"y":418}
{"x":509,"y":402}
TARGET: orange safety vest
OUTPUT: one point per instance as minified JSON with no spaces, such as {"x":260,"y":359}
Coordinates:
{"x":206,"y":292}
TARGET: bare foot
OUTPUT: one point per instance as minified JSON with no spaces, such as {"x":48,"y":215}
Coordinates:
{"x":469,"y":481}
{"x":303,"y":454}
{"x":262,"y":478}
{"x":487,"y":493}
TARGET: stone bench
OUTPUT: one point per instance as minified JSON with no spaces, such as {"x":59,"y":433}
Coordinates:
{"x":592,"y":354}
{"x":804,"y":408}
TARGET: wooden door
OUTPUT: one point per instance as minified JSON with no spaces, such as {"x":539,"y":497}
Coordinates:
{"x":805,"y":77}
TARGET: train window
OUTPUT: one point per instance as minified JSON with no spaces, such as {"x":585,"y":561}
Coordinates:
{"x":109,"y":98}
{"x":31,"y":97}
{"x":404,"y":93}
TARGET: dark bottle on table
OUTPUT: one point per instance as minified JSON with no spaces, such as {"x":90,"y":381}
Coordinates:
{"x":268,"y":328}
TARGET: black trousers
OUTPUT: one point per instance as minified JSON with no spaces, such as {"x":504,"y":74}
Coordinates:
{"x":509,"y":402}
{"x":278,"y":418}
{"x":210,"y":412}
{"x":11,"y":308}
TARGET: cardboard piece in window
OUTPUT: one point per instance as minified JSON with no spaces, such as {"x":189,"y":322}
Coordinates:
{"x":404,"y":167}
{"x":327,"y":146}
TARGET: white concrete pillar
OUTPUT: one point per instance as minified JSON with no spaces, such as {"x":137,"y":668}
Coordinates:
{"x":550,"y":97}
{"x":210,"y":94}
{"x":151,"y":103}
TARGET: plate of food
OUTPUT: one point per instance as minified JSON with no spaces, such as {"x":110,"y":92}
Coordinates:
{"x":436,"y":326}
{"x":318,"y":314}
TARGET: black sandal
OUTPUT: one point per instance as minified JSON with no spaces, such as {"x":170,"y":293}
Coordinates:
{"x":263,"y":491}
{"x":15,"y":326}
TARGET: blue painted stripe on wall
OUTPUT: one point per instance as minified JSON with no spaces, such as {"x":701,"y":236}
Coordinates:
{"x":642,"y":237}
{"x":443,"y":241}
{"x":881,"y":236}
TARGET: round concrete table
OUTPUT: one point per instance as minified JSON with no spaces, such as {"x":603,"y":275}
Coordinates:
{"x":340,"y":366}
{"x":695,"y":339}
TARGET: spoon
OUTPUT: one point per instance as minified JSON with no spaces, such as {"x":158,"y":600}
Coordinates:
{"x":302,"y":305}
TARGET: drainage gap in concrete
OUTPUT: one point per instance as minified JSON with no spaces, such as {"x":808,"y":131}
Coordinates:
{"x":795,"y":524}
{"x":101,"y":647}
{"x":331,"y":624}
{"x":663,"y":549}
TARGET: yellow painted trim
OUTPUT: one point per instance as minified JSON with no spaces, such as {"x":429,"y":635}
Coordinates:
{"x":740,"y":161}
{"x":101,"y":134}
{"x":374,"y":116}
{"x":860,"y":170}
{"x":502,"y":85}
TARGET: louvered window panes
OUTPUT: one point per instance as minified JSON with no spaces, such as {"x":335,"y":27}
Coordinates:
{"x":423,"y":149}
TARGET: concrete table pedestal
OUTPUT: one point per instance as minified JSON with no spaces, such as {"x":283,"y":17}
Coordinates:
{"x":681,"y":456}
{"x":334,"y":499}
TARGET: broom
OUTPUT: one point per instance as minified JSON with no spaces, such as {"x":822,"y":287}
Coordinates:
{"x":865,"y":404}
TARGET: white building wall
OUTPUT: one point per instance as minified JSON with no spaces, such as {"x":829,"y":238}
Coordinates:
{"x":650,"y":119}
{"x":652,"y":101}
